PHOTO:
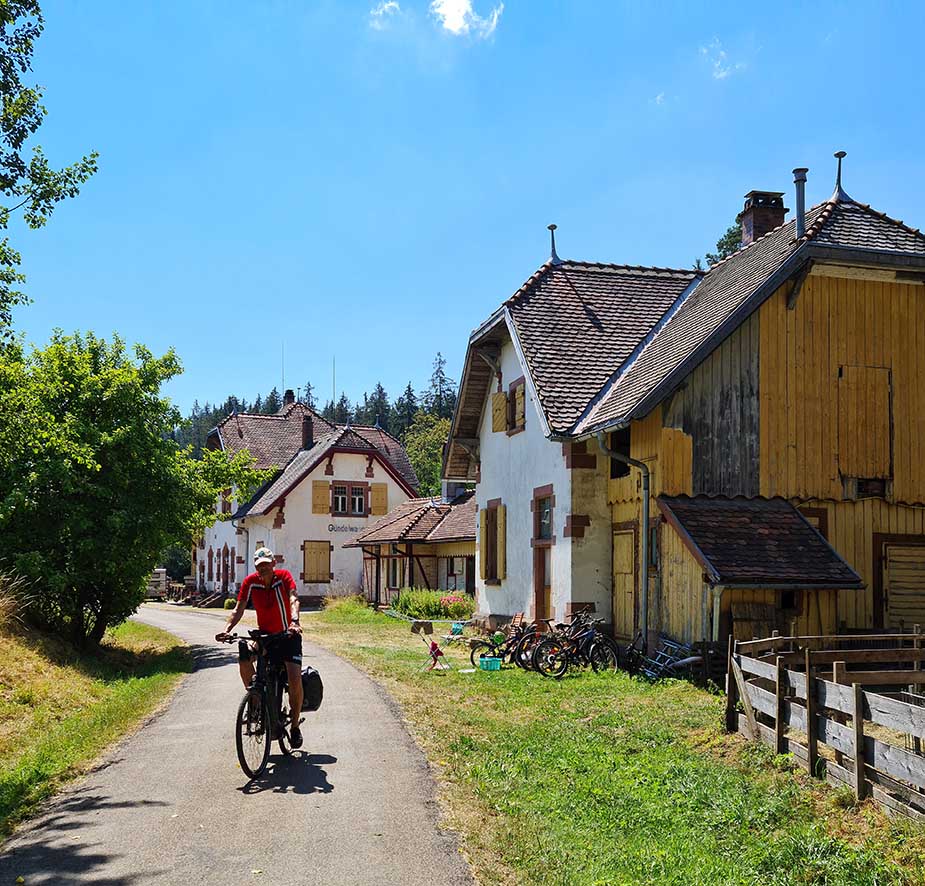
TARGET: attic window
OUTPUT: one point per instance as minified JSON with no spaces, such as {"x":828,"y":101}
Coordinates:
{"x":516,"y":406}
{"x":620,"y":442}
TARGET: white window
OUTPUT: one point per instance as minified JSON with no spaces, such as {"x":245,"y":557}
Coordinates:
{"x":340,"y":500}
{"x":358,"y":501}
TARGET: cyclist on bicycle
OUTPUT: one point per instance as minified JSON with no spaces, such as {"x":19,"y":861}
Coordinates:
{"x":273,"y":593}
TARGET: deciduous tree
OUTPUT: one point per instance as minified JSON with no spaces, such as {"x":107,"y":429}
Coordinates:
{"x":424,"y":444}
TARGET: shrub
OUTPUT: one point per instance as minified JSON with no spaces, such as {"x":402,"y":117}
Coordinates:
{"x":230,"y":603}
{"x":351,"y":609}
{"x":416,"y":603}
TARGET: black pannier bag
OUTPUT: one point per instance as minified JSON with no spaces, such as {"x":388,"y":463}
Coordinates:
{"x":312,"y":689}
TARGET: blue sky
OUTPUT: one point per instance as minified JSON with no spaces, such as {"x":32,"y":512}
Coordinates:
{"x":371,"y":179}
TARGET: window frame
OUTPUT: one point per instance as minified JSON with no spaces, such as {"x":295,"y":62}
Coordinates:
{"x":512,"y":426}
{"x":335,"y":510}
{"x":491,"y":541}
{"x":540,"y":494}
{"x":328,"y":577}
{"x":352,"y":489}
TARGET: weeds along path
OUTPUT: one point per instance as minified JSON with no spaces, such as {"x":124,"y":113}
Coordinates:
{"x":355,"y":806}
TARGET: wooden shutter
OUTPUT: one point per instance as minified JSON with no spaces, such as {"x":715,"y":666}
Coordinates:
{"x":864,"y":432}
{"x":498,"y":411}
{"x":520,"y":406}
{"x":321,"y":497}
{"x":483,"y":550}
{"x":379,"y":499}
{"x":316,"y":561}
{"x":502,"y":541}
{"x":905,"y":585}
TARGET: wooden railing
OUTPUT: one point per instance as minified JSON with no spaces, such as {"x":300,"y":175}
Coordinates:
{"x":806,"y":696}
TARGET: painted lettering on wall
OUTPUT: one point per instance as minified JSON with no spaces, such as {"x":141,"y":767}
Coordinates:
{"x":342,"y":527}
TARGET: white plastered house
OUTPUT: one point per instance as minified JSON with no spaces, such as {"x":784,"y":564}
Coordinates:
{"x":331,"y":482}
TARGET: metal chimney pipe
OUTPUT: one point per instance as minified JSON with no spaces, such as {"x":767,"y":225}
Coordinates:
{"x":799,"y":180}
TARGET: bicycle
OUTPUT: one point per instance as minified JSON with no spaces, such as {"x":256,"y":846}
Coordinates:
{"x":258,"y":722}
{"x":582,"y":644}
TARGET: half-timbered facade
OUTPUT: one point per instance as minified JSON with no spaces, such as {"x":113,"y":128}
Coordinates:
{"x":787,"y":376}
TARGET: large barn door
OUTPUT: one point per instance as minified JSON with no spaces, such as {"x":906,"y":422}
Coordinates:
{"x":624,"y":583}
{"x":904,"y":584}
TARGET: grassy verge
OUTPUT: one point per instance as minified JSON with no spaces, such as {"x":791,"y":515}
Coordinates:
{"x":59,"y":709}
{"x":608,"y":780}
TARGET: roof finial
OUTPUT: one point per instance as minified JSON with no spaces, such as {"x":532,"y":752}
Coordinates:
{"x":377,"y":426}
{"x":839,"y":190}
{"x":553,"y":257}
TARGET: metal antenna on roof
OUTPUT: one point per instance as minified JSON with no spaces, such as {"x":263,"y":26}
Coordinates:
{"x":839,"y":190}
{"x":553,"y":257}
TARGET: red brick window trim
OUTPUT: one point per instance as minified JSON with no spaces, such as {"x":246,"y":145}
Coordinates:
{"x":543,"y":505}
{"x":575,"y":525}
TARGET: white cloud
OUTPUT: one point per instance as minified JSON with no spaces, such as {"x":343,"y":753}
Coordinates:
{"x":382,"y":13}
{"x":659,"y":99}
{"x":458,"y":17}
{"x":719,"y":60}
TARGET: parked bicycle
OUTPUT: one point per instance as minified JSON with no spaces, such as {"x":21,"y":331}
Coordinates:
{"x":263,"y":716}
{"x":509,"y":645}
{"x":580,"y":644}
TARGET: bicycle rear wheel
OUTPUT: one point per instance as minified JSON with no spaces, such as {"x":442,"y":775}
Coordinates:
{"x":252,"y":734}
{"x":478,"y":650}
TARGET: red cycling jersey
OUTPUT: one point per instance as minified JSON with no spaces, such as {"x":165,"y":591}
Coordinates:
{"x":271,"y":604}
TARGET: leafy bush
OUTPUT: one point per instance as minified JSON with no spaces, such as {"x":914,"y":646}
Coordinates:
{"x":230,"y":603}
{"x":416,"y":603}
{"x":352,"y":609}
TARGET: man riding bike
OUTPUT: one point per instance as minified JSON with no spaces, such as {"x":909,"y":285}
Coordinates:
{"x":273,"y":593}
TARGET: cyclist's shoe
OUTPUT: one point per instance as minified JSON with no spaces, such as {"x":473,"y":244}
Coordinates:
{"x":295,"y":737}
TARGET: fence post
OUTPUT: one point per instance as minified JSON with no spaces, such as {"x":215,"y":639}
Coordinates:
{"x":779,"y":686}
{"x":812,"y":727}
{"x":860,"y":784}
{"x":732,"y":724}
{"x":917,"y":666}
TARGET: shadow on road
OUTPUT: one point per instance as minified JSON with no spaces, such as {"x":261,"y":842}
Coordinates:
{"x":214,"y":656}
{"x":302,"y":773}
{"x":58,"y":855}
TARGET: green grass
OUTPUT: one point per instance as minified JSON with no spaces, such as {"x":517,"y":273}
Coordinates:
{"x":603,"y":779}
{"x":59,"y":709}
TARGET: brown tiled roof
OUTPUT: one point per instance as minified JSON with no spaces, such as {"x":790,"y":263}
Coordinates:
{"x":757,"y":541}
{"x":727,"y":287}
{"x":271,"y":439}
{"x":425,"y":521}
{"x":577,"y":322}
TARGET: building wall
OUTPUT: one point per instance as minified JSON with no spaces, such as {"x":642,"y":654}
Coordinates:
{"x":435,"y":558}
{"x":285,"y":529}
{"x":219,"y":534}
{"x":511,"y":468}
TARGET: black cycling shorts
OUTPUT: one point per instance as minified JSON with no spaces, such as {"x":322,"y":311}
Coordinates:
{"x":288,"y":648}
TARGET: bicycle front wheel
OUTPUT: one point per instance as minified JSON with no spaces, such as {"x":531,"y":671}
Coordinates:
{"x":550,"y":658}
{"x":252,"y":734}
{"x":603,"y":656}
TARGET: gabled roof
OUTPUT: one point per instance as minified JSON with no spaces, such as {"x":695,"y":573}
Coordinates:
{"x":339,"y":439}
{"x":756,"y":541}
{"x":273,"y":440}
{"x":574,"y":323}
{"x":577,"y":322}
{"x":424,"y":521}
{"x":736,"y":286}
{"x":270,"y":439}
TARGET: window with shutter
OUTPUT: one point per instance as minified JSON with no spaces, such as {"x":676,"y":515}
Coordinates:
{"x":516,"y":405}
{"x":864,"y":425}
{"x":321,"y":497}
{"x":498,"y":412}
{"x":379,"y":499}
{"x":316,"y":561}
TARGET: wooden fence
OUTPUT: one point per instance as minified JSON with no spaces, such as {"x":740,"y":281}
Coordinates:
{"x":808,"y":696}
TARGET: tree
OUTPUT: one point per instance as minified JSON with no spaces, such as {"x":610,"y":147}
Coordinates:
{"x":343,"y":410}
{"x":308,"y":395}
{"x":273,"y":403}
{"x":729,"y":243}
{"x":28,"y":183}
{"x":92,"y":486}
{"x":424,"y":444}
{"x":378,"y":407}
{"x":440,"y":396}
{"x":176,"y":560}
{"x":403,"y":412}
{"x":328,"y":411}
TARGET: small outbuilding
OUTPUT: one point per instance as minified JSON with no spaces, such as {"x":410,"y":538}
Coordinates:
{"x":424,"y":543}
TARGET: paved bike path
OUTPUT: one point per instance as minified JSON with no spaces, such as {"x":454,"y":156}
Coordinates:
{"x":171,"y":806}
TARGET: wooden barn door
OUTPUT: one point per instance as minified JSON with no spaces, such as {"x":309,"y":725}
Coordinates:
{"x":904,"y":585}
{"x":624,"y":583}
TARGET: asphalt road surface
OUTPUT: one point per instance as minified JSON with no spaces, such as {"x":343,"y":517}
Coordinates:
{"x":170,"y":805}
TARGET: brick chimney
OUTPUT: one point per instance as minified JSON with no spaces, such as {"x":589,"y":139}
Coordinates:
{"x":289,"y":397}
{"x":308,"y":432}
{"x":764,"y":211}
